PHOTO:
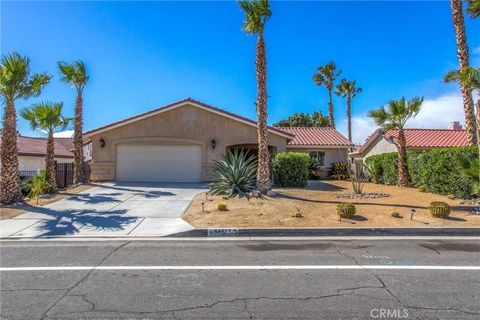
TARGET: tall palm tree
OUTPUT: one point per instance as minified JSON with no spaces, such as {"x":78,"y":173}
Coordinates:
{"x":47,"y":116}
{"x":75,"y":74}
{"x":474,"y":8}
{"x":463,"y":59}
{"x":326,"y":76}
{"x":395,"y":116}
{"x":257,"y":12}
{"x":16,"y":82}
{"x":468,"y":78}
{"x":348,"y":89}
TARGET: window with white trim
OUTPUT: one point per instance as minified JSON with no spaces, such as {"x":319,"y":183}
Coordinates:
{"x":319,"y":157}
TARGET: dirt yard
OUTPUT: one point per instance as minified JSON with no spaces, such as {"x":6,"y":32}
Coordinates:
{"x":317,"y":204}
{"x":8,"y":213}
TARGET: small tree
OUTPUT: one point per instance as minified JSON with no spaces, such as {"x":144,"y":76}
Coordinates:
{"x":37,"y":185}
{"x":395,"y":116}
{"x":47,"y":116}
{"x":317,"y":119}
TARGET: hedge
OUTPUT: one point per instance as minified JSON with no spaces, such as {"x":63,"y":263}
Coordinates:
{"x":438,"y":170}
{"x":291,"y":169}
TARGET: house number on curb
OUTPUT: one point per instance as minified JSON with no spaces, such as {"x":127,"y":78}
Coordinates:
{"x":223,"y":232}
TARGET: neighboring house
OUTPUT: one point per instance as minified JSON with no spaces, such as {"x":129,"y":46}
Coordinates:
{"x":179,"y":142}
{"x":417,"y":139}
{"x":324,"y":144}
{"x":31,"y":152}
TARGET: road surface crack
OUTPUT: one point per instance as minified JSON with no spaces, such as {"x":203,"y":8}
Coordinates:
{"x":45,"y":313}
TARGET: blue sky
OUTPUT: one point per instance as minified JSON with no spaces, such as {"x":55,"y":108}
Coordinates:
{"x":141,"y":55}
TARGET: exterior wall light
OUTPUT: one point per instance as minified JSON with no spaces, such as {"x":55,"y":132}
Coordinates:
{"x":102,"y":142}
{"x":213,"y":142}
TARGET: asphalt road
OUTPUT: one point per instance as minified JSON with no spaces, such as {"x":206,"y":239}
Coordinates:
{"x":240,"y":280}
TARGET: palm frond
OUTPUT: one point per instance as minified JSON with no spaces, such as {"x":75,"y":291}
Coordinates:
{"x":473,"y":7}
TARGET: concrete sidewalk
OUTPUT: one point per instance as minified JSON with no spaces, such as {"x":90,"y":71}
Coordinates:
{"x":110,"y":209}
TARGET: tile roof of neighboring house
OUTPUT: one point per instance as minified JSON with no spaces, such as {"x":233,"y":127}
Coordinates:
{"x":432,"y":138}
{"x":33,"y":146}
{"x":180,"y":103}
{"x":322,"y":136}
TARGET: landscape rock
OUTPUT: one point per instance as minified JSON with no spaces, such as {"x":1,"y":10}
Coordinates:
{"x":370,"y":195}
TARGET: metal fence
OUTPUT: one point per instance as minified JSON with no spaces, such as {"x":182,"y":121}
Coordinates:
{"x":64,"y":174}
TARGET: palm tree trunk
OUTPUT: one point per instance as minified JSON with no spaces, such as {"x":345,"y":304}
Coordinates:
{"x":463,"y":59}
{"x":349,"y":117}
{"x":331,"y":117}
{"x":403,"y":175}
{"x":50,"y":162}
{"x":9,"y":174}
{"x":78,"y":168}
{"x":263,"y":169}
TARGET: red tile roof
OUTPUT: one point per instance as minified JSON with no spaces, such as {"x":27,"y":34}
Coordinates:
{"x":324,"y":136}
{"x":32,"y":146}
{"x":172,"y":105}
{"x":431,"y":138}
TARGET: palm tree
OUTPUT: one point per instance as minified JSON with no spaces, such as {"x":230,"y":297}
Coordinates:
{"x":47,"y":116}
{"x":348,"y":89}
{"x":469,"y":78}
{"x":395,"y":116}
{"x":257,"y":12}
{"x":16,"y":82}
{"x":75,"y":75}
{"x":326,"y":76}
{"x":474,"y":8}
{"x":463,"y":59}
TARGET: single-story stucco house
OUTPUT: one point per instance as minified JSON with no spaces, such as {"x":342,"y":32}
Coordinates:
{"x":31,"y":153}
{"x":178,"y":142}
{"x":417,"y":139}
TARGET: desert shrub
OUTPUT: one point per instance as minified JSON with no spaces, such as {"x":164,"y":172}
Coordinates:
{"x":221,"y":206}
{"x":439,"y":210}
{"x":346,"y":209}
{"x":440,"y":171}
{"x":291,"y":169}
{"x":37,"y":185}
{"x":234,"y":174}
{"x":313,"y":168}
{"x":339,"y":171}
{"x":374,"y":169}
{"x":359,"y":177}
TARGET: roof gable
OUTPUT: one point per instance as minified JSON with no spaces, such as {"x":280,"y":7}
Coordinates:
{"x":181,"y":103}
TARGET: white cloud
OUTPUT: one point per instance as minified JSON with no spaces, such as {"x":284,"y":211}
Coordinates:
{"x":436,"y":113}
{"x":64,"y":134}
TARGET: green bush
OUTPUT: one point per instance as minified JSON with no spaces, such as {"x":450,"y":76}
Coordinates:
{"x":437,"y":171}
{"x":339,"y":171}
{"x":291,"y":169}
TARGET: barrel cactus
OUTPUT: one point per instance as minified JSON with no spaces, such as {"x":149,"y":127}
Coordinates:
{"x":346,"y":209}
{"x":221,"y":206}
{"x":439,"y":209}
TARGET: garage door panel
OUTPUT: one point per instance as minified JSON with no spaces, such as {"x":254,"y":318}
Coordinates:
{"x":159,"y":163}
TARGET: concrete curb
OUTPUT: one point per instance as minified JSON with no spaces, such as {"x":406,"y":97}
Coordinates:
{"x":328,"y":232}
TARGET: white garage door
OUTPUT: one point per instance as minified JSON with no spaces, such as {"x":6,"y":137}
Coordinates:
{"x":159,"y":163}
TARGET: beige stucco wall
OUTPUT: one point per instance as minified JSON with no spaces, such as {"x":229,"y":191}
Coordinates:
{"x":183,"y":125}
{"x":29,"y":163}
{"x":331,"y":155}
{"x":380,"y":146}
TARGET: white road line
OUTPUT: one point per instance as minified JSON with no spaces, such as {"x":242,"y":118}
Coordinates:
{"x":259,"y":267}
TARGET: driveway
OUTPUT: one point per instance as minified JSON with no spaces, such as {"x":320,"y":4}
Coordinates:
{"x":110,"y":209}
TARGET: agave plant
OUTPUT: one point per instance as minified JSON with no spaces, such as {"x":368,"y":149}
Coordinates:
{"x":235,"y":174}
